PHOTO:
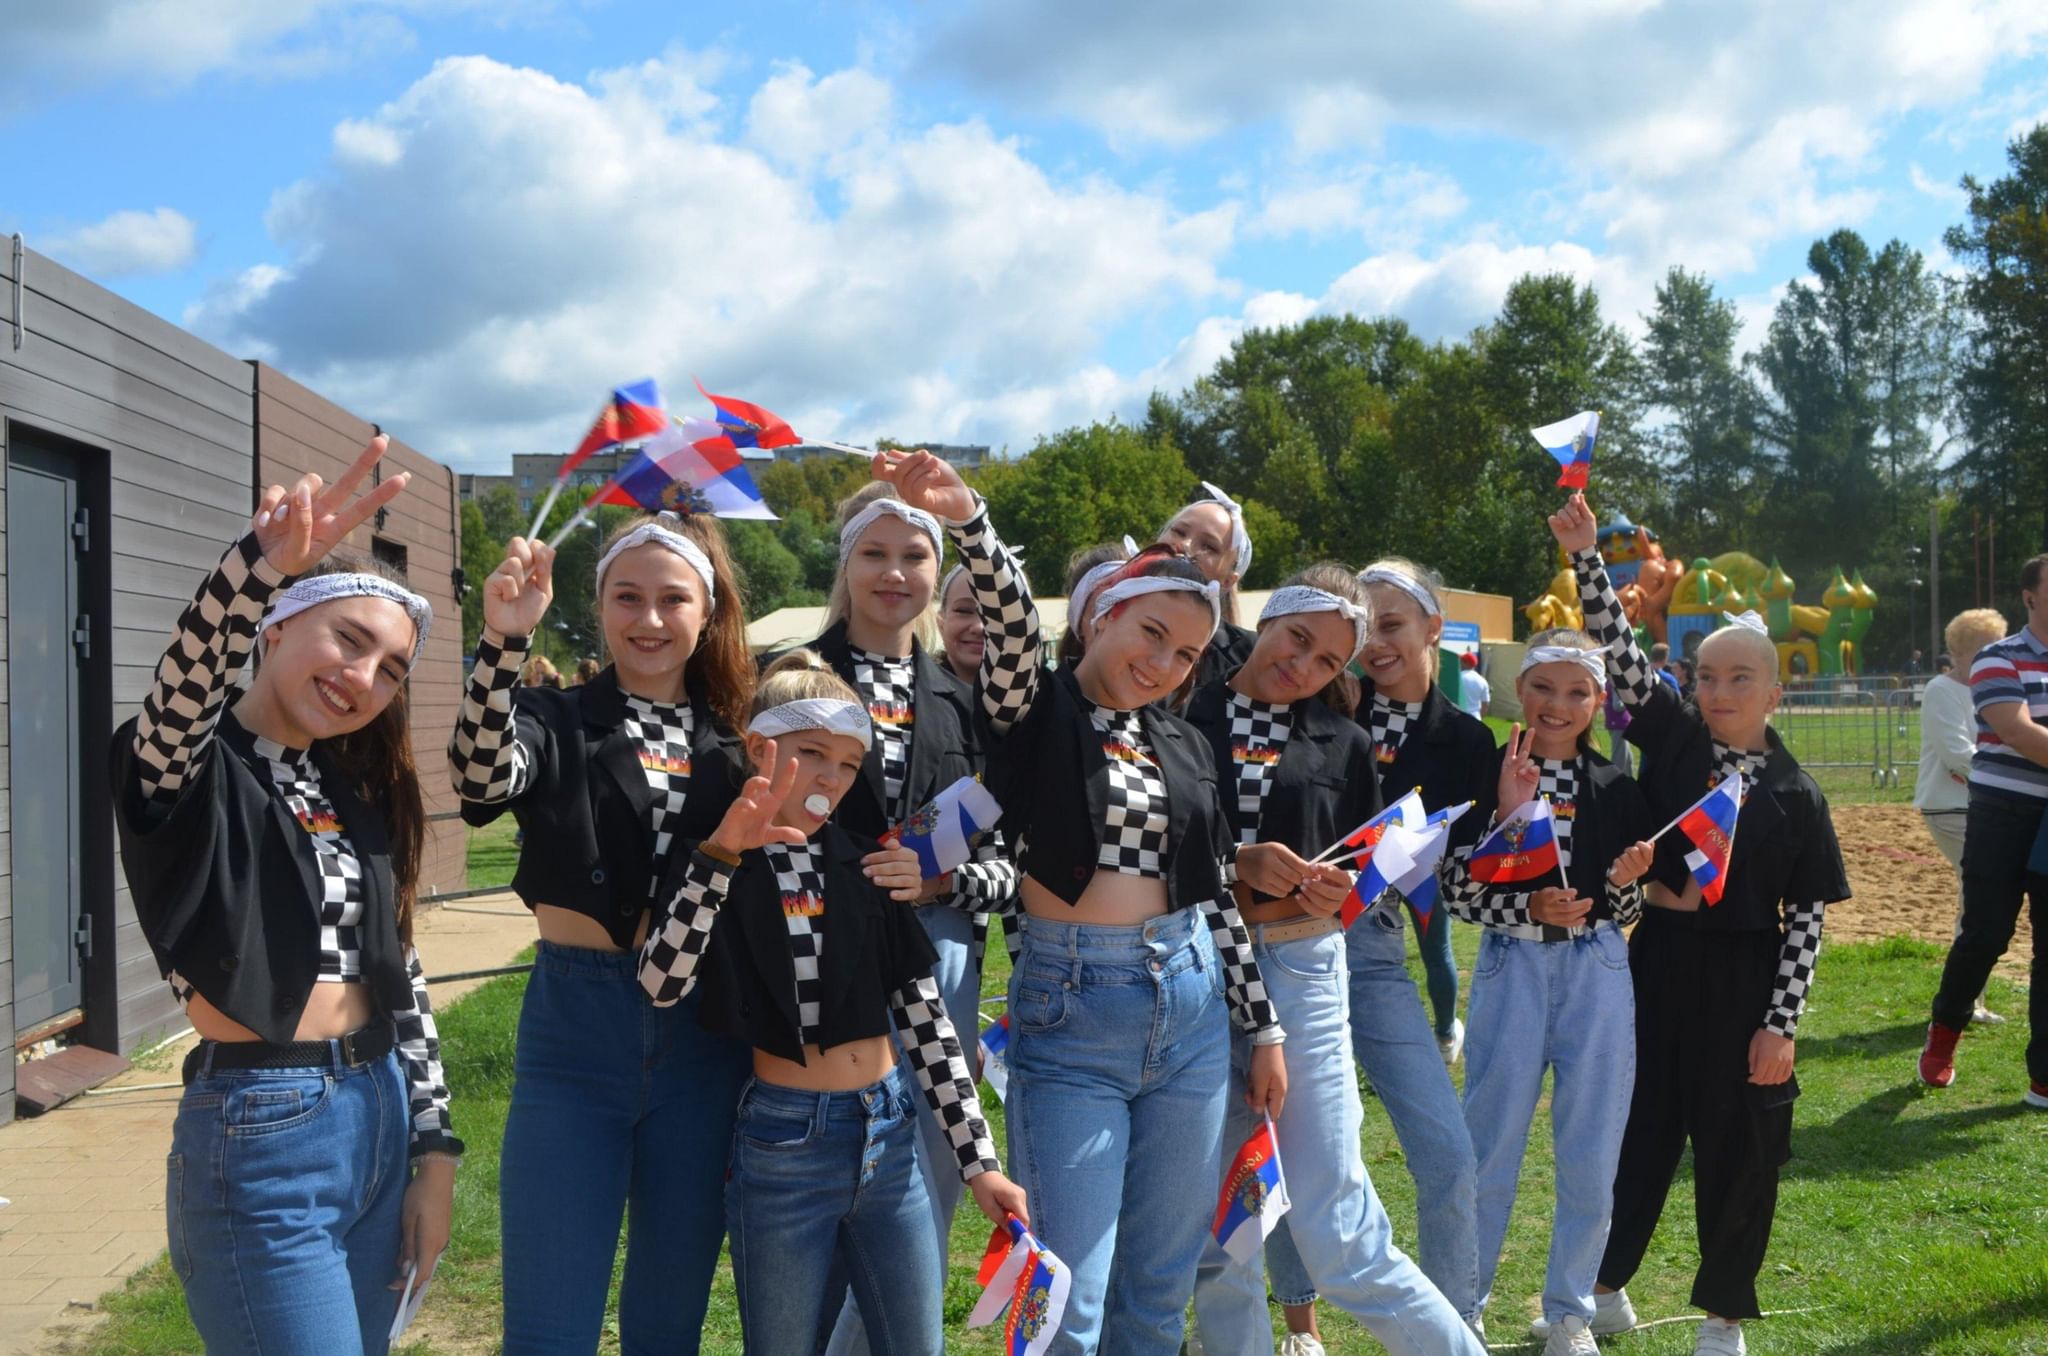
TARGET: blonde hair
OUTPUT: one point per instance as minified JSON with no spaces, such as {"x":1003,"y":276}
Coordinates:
{"x":797,"y":676}
{"x":926,"y":627}
{"x":1426,"y":579}
{"x":1971,"y":631}
{"x":540,"y":672}
{"x":720,"y":672}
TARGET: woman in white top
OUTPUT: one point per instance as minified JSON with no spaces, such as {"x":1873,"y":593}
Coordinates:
{"x":1948,"y":740}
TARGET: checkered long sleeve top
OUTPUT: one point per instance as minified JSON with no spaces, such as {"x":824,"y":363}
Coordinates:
{"x":1634,"y":682}
{"x":181,"y":719}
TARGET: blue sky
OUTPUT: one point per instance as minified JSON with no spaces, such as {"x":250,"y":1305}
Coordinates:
{"x":975,"y":221}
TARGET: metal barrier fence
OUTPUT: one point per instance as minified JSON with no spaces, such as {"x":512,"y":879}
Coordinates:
{"x":1855,"y":734}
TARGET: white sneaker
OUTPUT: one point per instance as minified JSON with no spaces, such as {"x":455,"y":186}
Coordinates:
{"x":1984,"y":1016}
{"x":1452,"y":1045}
{"x":1611,"y":1314}
{"x":1570,"y":1337}
{"x":1301,"y":1344}
{"x":1719,"y":1337}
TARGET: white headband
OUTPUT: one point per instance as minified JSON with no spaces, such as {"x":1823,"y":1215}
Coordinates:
{"x":661,"y":534}
{"x":1162,"y":583}
{"x":1380,"y":574}
{"x":815,"y":713}
{"x":1592,"y":661}
{"x":916,"y":517}
{"x":325,"y":588}
{"x":1748,"y":621}
{"x":1294,"y":599}
{"x":1240,"y":540}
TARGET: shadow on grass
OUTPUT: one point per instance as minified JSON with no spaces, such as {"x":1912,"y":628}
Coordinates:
{"x":2008,"y":1313}
{"x":1871,"y":1140}
{"x":1885,"y":1040}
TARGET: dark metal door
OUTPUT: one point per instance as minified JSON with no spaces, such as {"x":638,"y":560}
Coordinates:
{"x":45,"y":636}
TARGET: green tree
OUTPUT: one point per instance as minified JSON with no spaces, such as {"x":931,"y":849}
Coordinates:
{"x":2003,"y":397}
{"x":481,"y":552}
{"x":1708,"y":446}
{"x":1084,"y":486}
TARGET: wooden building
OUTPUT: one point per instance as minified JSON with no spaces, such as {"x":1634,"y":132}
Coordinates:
{"x":130,"y":453}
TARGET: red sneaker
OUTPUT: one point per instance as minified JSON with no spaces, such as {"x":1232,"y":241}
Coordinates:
{"x":1938,"y":1057}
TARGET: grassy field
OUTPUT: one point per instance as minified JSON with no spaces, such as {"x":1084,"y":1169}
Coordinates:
{"x":1910,"y":1222}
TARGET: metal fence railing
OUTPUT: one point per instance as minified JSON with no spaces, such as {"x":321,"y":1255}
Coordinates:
{"x":1856,"y":734}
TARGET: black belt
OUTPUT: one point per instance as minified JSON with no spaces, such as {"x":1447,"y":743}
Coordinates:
{"x":352,"y":1051}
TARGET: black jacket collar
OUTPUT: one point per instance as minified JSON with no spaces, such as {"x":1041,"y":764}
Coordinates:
{"x":1322,"y":786}
{"x":871,"y":810}
{"x":603,"y":706}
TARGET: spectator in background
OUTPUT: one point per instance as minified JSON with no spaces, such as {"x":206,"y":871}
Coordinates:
{"x":541,"y":673}
{"x":1943,"y":663}
{"x":1948,"y":741}
{"x":1615,"y":717}
{"x":1660,"y":664}
{"x":586,"y":669}
{"x":1475,"y":695}
{"x":1917,"y":664}
{"x":1680,"y":672}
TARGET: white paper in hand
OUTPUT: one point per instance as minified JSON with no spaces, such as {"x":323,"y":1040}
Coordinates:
{"x":411,"y":1298}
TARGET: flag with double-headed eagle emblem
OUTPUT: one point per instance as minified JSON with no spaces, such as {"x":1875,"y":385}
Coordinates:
{"x":1020,"y":1275}
{"x":1710,"y":824}
{"x":1254,"y":1196}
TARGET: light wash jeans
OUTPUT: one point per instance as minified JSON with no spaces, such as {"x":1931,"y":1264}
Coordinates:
{"x":1394,"y":1044}
{"x":282,"y":1196}
{"x":1119,"y":1059}
{"x":824,"y":1185}
{"x":1339,"y":1227}
{"x":614,"y":1102}
{"x":1567,"y":1007}
{"x":952,"y":934}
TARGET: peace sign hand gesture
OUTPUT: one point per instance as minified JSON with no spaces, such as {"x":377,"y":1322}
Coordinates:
{"x":298,"y":527}
{"x":927,"y":482}
{"x":750,"y":820}
{"x":1518,"y":771}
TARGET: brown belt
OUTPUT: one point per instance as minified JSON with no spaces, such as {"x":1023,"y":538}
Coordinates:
{"x":1269,"y":934}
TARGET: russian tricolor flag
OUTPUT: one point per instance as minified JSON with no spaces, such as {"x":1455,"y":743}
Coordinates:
{"x":748,"y":424}
{"x":942,"y":834}
{"x":635,"y":411}
{"x":689,"y":467}
{"x":1710,"y":824}
{"x":1254,"y":1196}
{"x":1021,"y":1274}
{"x":1521,"y":848}
{"x":1571,"y":442}
{"x":1363,"y":844}
{"x":995,"y":1056}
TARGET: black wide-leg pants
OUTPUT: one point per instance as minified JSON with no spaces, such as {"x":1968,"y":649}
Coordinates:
{"x":1701,"y":995}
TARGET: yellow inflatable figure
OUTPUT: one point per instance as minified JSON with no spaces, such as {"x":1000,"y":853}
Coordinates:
{"x":1558,"y":605}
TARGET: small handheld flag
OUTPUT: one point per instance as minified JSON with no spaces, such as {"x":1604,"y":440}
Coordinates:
{"x":1021,"y":1275}
{"x":1388,"y":851}
{"x":748,"y":424}
{"x":1254,"y":1196}
{"x":1521,"y":848}
{"x":1419,"y":884}
{"x":942,"y":834}
{"x":1571,"y":442}
{"x":1710,"y":824}
{"x":634,"y":411}
{"x":1359,"y":842}
{"x":688,"y":467}
{"x":995,"y":1056}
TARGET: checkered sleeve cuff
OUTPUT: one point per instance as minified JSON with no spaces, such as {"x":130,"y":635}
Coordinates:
{"x":933,"y":1048}
{"x":485,"y":758}
{"x":214,"y":635}
{"x":419,"y":1055}
{"x":1625,"y":901}
{"x":1010,"y":661}
{"x":1795,"y":968}
{"x":1607,"y":623}
{"x":988,"y":887}
{"x":669,"y":956}
{"x":1244,"y":988}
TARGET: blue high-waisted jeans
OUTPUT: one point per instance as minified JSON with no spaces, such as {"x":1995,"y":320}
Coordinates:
{"x":1119,"y":1060}
{"x":282,"y":1196}
{"x":614,"y":1101}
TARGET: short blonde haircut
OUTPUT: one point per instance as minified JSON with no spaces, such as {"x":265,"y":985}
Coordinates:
{"x":1969,"y":632}
{"x":801,"y":675}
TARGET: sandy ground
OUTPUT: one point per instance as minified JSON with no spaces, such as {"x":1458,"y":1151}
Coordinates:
{"x":1903,"y":885}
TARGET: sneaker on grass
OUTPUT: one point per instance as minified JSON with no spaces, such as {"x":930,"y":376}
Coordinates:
{"x":1719,"y":1337}
{"x":1984,"y":1016}
{"x":1938,"y":1056}
{"x":1300,"y":1344}
{"x":1569,"y":1336}
{"x":2037,"y":1095}
{"x":1452,"y":1045}
{"x":1611,"y":1314}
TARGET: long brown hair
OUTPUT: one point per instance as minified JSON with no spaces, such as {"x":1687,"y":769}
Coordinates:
{"x":720,"y":672}
{"x":379,"y":765}
{"x":1342,"y":692}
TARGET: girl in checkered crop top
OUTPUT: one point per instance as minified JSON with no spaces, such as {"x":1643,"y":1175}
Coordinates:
{"x":1115,"y":1011}
{"x":609,"y":782}
{"x":1550,"y":987}
{"x":793,"y":925}
{"x":304,"y":1004}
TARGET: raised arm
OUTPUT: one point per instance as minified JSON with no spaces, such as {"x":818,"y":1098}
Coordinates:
{"x":1577,"y":532}
{"x":489,"y":759}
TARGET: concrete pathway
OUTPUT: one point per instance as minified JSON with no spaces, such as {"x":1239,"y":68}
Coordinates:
{"x":86,"y":1181}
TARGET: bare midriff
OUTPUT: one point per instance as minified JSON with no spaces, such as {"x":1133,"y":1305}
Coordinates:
{"x":1112,"y":900}
{"x":566,"y":927}
{"x":332,"y":1010}
{"x":1662,"y":895}
{"x":844,"y":1068}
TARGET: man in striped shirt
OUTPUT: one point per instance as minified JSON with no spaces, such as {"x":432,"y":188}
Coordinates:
{"x":2001,"y":865}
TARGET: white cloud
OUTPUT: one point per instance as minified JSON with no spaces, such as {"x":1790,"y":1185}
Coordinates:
{"x":1949,"y":195}
{"x":1395,"y":206}
{"x":494,"y":248}
{"x":129,"y":242}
